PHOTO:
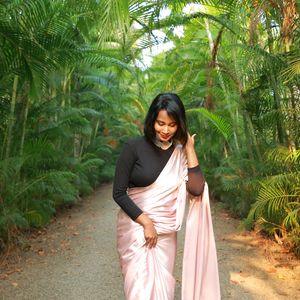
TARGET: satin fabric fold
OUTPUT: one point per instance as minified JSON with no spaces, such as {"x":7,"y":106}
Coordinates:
{"x":148,"y":273}
{"x":200,"y":276}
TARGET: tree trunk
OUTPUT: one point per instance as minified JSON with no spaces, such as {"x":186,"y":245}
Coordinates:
{"x":248,"y":138}
{"x":11,"y":120}
{"x":27,"y":104}
{"x":277,"y":108}
{"x":294,"y":99}
{"x":274,"y":84}
{"x":213,"y":49}
{"x":96,"y":129}
{"x":252,"y":136}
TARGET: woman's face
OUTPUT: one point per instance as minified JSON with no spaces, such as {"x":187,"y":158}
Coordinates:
{"x":165,"y":126}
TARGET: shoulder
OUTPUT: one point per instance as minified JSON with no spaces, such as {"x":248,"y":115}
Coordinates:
{"x":138,"y":143}
{"x":182,"y":152}
{"x":179,"y":146}
{"x":133,"y":145}
{"x":180,"y":149}
{"x":139,"y":146}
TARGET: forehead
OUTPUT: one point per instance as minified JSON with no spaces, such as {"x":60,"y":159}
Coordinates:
{"x":165,"y":117}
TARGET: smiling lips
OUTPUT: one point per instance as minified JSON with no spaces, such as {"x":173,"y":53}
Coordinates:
{"x":165,"y":137}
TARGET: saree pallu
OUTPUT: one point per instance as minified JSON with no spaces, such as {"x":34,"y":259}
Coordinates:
{"x":148,"y":273}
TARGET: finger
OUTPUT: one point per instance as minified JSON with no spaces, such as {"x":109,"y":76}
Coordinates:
{"x":152,"y":242}
{"x":148,"y":240}
{"x":192,"y":137}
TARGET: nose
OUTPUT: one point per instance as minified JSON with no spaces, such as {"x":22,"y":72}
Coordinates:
{"x":165,"y":129}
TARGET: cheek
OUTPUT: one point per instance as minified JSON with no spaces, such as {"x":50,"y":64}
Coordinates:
{"x":174,"y":129}
{"x":156,"y":127}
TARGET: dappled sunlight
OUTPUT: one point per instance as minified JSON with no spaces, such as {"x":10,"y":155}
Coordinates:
{"x":251,"y":267}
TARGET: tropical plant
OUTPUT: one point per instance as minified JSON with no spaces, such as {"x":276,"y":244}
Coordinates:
{"x":72,"y":89}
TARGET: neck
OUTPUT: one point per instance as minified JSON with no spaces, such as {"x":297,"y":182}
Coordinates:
{"x":163,"y":145}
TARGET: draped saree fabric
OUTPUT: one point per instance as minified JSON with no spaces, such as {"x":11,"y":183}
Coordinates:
{"x":148,"y":273}
{"x":200,"y":276}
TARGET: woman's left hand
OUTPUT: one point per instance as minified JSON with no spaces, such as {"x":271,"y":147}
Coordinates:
{"x":191,"y":155}
{"x":190,"y":144}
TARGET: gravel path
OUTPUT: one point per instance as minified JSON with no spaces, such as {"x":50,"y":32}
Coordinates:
{"x":75,"y":258}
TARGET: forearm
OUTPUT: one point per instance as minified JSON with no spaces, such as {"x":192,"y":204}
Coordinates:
{"x":144,"y":220}
{"x":196,"y":181}
{"x":191,"y":157}
{"x":150,"y":232}
{"x":127,"y":205}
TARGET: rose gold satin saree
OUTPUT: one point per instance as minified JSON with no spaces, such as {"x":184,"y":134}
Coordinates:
{"x":148,"y":273}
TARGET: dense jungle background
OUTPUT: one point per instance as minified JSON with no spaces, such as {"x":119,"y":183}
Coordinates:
{"x":76,"y":78}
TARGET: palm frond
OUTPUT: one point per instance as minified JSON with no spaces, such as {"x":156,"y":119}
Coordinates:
{"x":115,"y":15}
{"x":217,"y":122}
{"x":292,"y":68}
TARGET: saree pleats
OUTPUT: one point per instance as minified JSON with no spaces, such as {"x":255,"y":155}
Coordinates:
{"x":148,"y":273}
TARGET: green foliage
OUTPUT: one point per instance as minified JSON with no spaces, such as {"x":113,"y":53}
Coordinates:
{"x":242,"y":101}
{"x":71,"y":93}
{"x":218,"y":123}
{"x":277,"y":207}
{"x":59,"y":105}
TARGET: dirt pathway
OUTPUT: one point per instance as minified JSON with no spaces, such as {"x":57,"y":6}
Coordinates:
{"x":75,"y":258}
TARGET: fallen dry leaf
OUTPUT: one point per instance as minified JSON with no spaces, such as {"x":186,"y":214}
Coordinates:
{"x":285,"y":265}
{"x":271,"y":270}
{"x":3,"y":276}
{"x":283,"y":250}
{"x":234,"y":281}
{"x":41,"y":252}
{"x":244,"y":274}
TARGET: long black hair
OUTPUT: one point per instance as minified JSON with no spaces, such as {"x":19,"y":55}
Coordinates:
{"x":175,"y":109}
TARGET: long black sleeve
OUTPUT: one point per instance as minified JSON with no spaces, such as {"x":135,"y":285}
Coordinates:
{"x":124,"y":167}
{"x":196,"y":181}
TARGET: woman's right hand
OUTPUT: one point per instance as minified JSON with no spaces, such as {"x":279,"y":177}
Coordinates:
{"x":150,"y":232}
{"x":150,"y":235}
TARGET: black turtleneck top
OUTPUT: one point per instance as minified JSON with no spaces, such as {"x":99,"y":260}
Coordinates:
{"x":139,"y":165}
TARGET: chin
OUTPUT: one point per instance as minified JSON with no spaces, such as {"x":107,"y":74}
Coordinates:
{"x":162,"y":139}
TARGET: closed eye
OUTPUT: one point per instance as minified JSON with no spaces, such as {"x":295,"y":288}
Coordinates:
{"x":162,"y":124}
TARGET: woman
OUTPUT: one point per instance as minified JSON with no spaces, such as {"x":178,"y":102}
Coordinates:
{"x":152,"y":175}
